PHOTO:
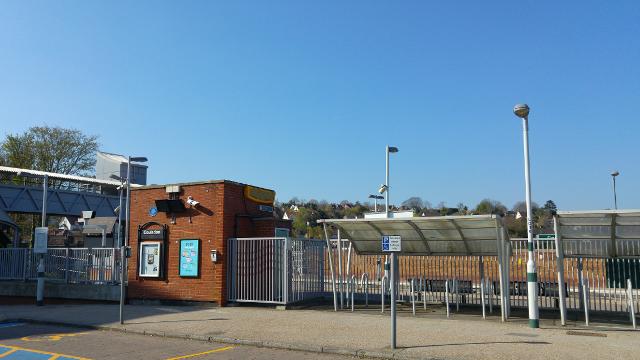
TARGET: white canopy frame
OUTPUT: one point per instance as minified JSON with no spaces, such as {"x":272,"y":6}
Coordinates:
{"x":594,"y":234}
{"x":474,"y":235}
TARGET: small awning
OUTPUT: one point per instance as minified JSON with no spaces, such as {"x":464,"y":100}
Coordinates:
{"x":599,"y":234}
{"x":478,"y":235}
{"x":7,"y":220}
{"x":94,"y":226}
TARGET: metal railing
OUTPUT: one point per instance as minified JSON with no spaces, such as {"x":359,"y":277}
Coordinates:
{"x":70,"y":265}
{"x":275,"y":270}
{"x":607,"y":279}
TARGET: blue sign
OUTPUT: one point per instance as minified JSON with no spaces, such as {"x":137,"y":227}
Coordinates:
{"x":153,"y":211}
{"x":391,"y":243}
{"x":189,"y":257}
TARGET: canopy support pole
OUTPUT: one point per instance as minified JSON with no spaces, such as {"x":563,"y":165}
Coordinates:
{"x":333,"y":277}
{"x":340,"y":274}
{"x":560,"y":267}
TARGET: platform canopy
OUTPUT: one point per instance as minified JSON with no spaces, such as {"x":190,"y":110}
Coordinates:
{"x":444,"y":235}
{"x":599,"y":234}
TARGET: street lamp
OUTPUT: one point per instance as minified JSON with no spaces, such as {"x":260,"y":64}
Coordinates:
{"x":123,"y":272}
{"x":375,"y":201}
{"x":385,"y":188}
{"x":614,"y":175}
{"x":522,"y":111}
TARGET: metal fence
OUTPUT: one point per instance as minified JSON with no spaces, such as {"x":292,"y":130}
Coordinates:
{"x":275,"y":270}
{"x":70,"y":265}
{"x":606,"y":279}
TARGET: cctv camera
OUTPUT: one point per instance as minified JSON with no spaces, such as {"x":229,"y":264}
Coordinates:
{"x":192,"y":202}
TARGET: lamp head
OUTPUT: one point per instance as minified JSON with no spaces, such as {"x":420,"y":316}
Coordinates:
{"x":383,"y":189}
{"x":615,"y":173}
{"x":392,"y":149}
{"x":139,"y":159}
{"x":521,"y":110}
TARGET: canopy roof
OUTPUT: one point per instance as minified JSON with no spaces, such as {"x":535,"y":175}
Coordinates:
{"x":445,"y":235}
{"x":602,"y":233}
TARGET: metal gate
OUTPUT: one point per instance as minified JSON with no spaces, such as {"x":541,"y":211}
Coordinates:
{"x":275,"y":270}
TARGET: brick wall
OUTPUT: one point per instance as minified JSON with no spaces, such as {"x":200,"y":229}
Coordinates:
{"x":223,"y":213}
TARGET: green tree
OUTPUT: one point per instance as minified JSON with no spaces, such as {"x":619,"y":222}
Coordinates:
{"x":489,"y":206}
{"x":53,"y":149}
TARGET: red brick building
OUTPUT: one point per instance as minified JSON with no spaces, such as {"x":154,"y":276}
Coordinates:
{"x":172,"y":238}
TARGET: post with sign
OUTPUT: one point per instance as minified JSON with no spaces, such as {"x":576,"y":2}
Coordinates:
{"x":40,"y":248}
{"x":392,"y":244}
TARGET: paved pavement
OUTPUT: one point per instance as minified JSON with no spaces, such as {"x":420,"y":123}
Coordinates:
{"x":20,"y":341}
{"x":363,"y":333}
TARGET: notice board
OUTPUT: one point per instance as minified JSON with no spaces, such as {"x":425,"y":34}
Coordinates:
{"x":189,"y":256}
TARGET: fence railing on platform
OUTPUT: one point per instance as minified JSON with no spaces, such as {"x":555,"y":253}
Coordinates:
{"x":70,"y":265}
{"x":606,"y":278}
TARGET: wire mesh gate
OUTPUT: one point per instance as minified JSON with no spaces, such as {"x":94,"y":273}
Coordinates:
{"x":275,"y":270}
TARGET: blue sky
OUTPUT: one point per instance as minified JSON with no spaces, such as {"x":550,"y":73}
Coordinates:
{"x":303,"y":96}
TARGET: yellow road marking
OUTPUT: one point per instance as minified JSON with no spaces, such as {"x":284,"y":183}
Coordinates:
{"x":54,"y":355}
{"x":11,"y":351}
{"x":53,"y":337}
{"x":202,"y":353}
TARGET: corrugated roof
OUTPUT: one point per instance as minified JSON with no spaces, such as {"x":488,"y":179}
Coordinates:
{"x":445,"y":235}
{"x":56,"y":176}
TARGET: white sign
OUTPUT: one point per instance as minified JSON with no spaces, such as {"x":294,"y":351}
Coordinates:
{"x":391,"y":243}
{"x":40,"y":244}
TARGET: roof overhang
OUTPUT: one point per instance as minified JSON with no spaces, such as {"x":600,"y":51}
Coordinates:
{"x":477,"y":235}
{"x":599,"y":234}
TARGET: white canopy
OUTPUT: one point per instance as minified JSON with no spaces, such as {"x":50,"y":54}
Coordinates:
{"x":445,"y":235}
{"x":602,"y":233}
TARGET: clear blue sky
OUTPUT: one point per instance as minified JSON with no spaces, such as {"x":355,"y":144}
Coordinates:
{"x":303,"y":96}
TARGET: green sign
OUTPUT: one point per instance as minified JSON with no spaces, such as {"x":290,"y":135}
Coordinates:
{"x":546,"y":236}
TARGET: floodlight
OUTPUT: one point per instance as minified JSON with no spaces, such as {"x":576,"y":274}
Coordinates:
{"x":393,"y":149}
{"x":383,"y":189}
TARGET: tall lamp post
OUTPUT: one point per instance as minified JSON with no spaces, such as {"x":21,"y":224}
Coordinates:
{"x":522,"y":111}
{"x":614,"y":175}
{"x":375,"y":201}
{"x":123,"y":270}
{"x":391,"y":149}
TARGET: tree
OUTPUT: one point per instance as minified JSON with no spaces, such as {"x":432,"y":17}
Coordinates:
{"x":489,"y":206}
{"x":414,"y":202}
{"x":550,"y":206}
{"x":52,"y":149}
{"x":521,"y":207}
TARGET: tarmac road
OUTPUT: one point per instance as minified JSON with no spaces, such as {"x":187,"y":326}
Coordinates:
{"x":26,"y":341}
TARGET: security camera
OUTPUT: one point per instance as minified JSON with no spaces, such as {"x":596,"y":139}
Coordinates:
{"x":192,"y":202}
{"x":383,"y":189}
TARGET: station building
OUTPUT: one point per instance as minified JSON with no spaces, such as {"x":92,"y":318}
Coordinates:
{"x":179,"y":235}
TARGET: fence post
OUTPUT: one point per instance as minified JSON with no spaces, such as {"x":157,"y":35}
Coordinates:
{"x":413,"y":296}
{"x":25,"y":259}
{"x":446,"y":296}
{"x":286,"y":274}
{"x":66,"y":266}
{"x":632,"y":309}
{"x":585,"y":294}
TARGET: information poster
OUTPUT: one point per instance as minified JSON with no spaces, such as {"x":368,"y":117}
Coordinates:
{"x":150,"y":259}
{"x":189,"y":255}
